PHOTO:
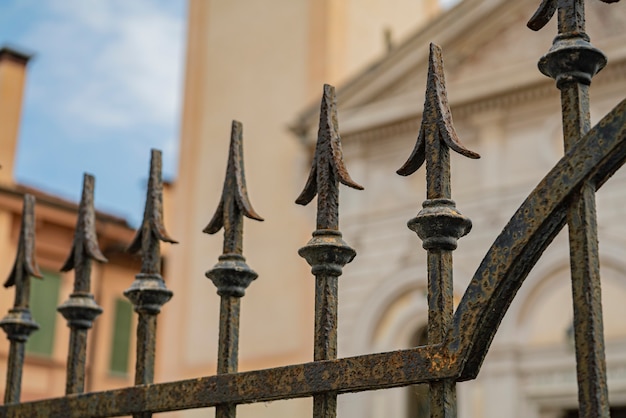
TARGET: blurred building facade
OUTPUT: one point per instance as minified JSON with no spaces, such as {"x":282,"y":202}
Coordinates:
{"x":259,"y":64}
{"x":110,"y":355}
{"x":263,"y":66}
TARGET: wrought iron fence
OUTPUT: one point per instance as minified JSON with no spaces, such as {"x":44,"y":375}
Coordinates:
{"x":457,"y":340}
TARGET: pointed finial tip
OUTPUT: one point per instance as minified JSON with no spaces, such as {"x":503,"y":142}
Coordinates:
{"x":436,"y":116}
{"x":327,"y":149}
{"x":234,"y":184}
{"x":25,"y":258}
{"x":153,"y":212}
{"x":85,"y":239}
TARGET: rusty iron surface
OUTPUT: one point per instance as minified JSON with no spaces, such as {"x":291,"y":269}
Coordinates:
{"x":80,"y":310}
{"x":531,"y":229}
{"x":18,"y":324}
{"x":439,"y":224}
{"x":328,"y":168}
{"x":352,"y":374}
{"x":231,"y":275}
{"x":457,"y":341}
{"x":326,"y":252}
{"x":148,"y":292}
{"x":572,"y":61}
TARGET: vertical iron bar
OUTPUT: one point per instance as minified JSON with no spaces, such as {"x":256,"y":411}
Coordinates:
{"x":585,"y":266}
{"x":18,"y":323}
{"x":439,"y":224}
{"x":146,"y":344}
{"x":572,"y":62}
{"x":326,"y":252}
{"x":14,"y":372}
{"x":80,"y":310}
{"x":228,"y":351}
{"x":148,"y":292}
{"x":231,"y":275}
{"x":325,"y":344}
{"x":440,"y":310}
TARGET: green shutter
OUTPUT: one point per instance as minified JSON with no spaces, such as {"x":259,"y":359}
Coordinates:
{"x":121,"y":337}
{"x":44,"y":297}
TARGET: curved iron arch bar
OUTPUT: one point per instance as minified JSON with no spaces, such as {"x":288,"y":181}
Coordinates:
{"x":592,"y":161}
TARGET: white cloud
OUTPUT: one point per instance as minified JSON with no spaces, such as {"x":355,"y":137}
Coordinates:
{"x":110,"y":64}
{"x":446,"y":4}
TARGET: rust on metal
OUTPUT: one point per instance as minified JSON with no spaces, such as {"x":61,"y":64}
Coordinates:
{"x":439,"y":224}
{"x":532,"y":228}
{"x":457,"y":341}
{"x":547,"y":8}
{"x":18,"y":324}
{"x":231,"y":275}
{"x":572,"y":61}
{"x":148,"y":292}
{"x":326,"y":252}
{"x":80,"y":310}
{"x":328,"y":168}
{"x":346,"y":375}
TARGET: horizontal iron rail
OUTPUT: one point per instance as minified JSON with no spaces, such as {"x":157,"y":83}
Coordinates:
{"x":350,"y":374}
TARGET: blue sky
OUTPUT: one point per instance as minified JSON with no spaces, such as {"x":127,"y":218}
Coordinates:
{"x":104,"y":87}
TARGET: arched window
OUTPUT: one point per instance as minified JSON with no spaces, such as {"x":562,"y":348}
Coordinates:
{"x":418,"y":405}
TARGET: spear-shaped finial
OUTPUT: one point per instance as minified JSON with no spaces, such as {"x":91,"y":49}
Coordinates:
{"x":80,"y":310}
{"x":328,"y":169}
{"x":152,"y":229}
{"x":572,"y":20}
{"x":18,"y":323}
{"x":234,"y":203}
{"x":439,"y":224}
{"x":326,"y":252}
{"x":85,"y":245}
{"x":148,"y":292}
{"x":436,"y":134}
{"x":231,"y":275}
{"x":25,"y":265}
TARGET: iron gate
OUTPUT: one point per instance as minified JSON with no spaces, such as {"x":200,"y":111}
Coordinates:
{"x":458,"y":340}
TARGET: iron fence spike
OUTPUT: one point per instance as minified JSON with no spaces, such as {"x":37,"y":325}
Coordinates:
{"x":234,"y":191}
{"x":152,"y":222}
{"x":18,"y":324}
{"x":572,"y":62}
{"x":85,"y":239}
{"x":328,"y":168}
{"x":231,"y":275}
{"x":436,"y":116}
{"x":25,"y":264}
{"x":328,"y":153}
{"x":80,"y":310}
